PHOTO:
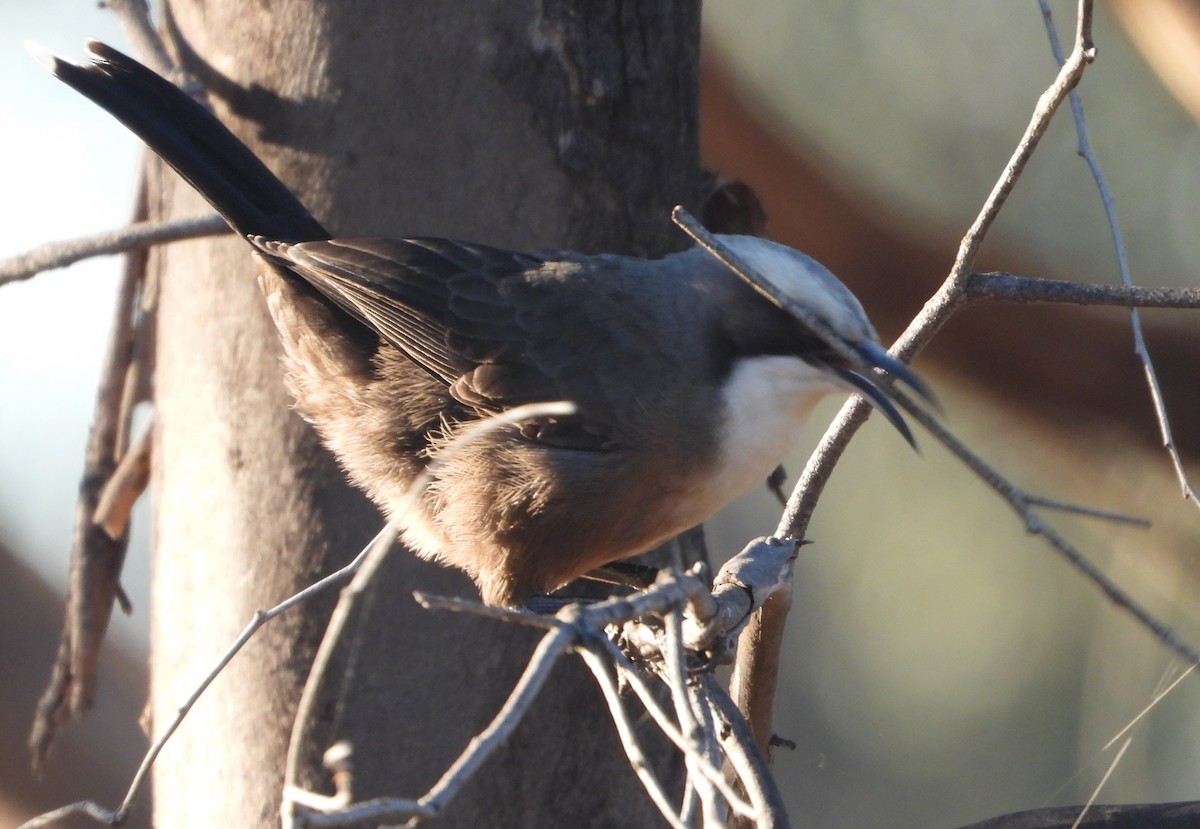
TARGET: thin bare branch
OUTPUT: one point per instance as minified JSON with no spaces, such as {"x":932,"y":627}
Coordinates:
{"x":1100,"y":785}
{"x":712,"y":755}
{"x":456,"y":604}
{"x":378,"y":810}
{"x":634,"y":678}
{"x":138,"y":235}
{"x":1089,"y":512}
{"x":1159,"y":697}
{"x":675,"y":674}
{"x":749,"y":765}
{"x":601,"y":670}
{"x":553,"y":644}
{"x":1023,"y":505}
{"x":122,"y":490}
{"x":574,"y":626}
{"x":1118,"y":242}
{"x":1007,"y":287}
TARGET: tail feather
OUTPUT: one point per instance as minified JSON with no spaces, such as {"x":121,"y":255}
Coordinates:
{"x":190,"y":139}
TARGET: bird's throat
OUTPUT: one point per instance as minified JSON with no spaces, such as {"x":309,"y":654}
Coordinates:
{"x":766,"y":402}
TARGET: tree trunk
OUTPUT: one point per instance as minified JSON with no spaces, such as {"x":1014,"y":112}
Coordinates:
{"x":525,"y":125}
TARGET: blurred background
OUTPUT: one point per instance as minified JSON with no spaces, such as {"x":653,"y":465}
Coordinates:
{"x":941,"y":667}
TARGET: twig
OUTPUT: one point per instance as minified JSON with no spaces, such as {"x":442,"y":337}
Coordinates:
{"x":675,"y":673}
{"x":601,"y":670}
{"x":1089,"y":512}
{"x":366,"y":564}
{"x":389,"y":810}
{"x":1159,"y":697}
{"x":1100,"y":785}
{"x":261,"y":618}
{"x":1007,"y":287}
{"x":138,"y":235}
{"x":574,"y":626}
{"x":1034,"y":525}
{"x":630,"y":675}
{"x":1118,"y":242}
{"x":553,"y":644}
{"x":749,"y":764}
{"x":457,"y":604}
{"x":712,"y":755}
{"x":124,"y":487}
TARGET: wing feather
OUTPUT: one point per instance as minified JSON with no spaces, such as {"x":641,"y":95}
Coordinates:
{"x":470,"y":315}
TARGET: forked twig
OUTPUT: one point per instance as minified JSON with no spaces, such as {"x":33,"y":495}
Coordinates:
{"x":1118,"y":242}
{"x":602,"y":671}
{"x":1024,"y":506}
{"x":633,"y":677}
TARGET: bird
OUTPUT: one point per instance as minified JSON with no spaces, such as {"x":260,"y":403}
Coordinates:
{"x":688,"y":386}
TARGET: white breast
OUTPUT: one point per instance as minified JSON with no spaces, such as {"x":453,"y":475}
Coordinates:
{"x":766,"y":401}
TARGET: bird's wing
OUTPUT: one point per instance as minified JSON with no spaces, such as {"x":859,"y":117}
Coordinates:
{"x":470,"y":316}
{"x":401,"y":289}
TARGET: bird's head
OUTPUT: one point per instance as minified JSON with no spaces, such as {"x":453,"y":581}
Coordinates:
{"x":832,"y":330}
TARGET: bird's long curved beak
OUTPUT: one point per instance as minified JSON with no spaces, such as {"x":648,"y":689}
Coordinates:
{"x":876,"y":356}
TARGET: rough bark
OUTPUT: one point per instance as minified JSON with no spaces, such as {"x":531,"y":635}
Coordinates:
{"x":527,"y":125}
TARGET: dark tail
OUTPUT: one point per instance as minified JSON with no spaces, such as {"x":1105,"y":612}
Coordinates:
{"x":193,"y":141}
